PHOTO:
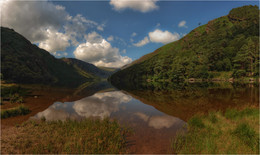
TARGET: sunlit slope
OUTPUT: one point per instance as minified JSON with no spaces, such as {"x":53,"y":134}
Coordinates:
{"x":229,"y":43}
{"x":89,"y":70}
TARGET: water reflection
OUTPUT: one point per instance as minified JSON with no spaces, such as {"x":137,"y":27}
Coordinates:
{"x":98,"y":105}
{"x":155,"y":112}
{"x":159,"y":122}
{"x":101,"y":104}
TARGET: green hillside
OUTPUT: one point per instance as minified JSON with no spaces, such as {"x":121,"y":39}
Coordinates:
{"x":89,"y":70}
{"x":229,"y":44}
{"x":23,"y":62}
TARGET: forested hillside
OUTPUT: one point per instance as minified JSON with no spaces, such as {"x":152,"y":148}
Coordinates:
{"x":226,"y":44}
{"x":23,"y":62}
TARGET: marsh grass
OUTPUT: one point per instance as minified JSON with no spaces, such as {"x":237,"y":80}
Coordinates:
{"x":235,"y":131}
{"x":13,"y":93}
{"x":72,"y":137}
{"x":20,"y":110}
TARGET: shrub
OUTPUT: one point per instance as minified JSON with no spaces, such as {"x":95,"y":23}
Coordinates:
{"x":21,"y":110}
{"x":16,"y":98}
{"x":213,"y":118}
{"x":231,"y":113}
{"x":245,"y":133}
{"x":239,"y":73}
{"x":196,"y":122}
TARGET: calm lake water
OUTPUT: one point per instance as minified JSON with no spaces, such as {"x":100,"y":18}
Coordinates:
{"x":154,"y":114}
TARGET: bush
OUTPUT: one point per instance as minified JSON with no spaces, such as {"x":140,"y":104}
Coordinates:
{"x":14,"y":94}
{"x":196,"y":122}
{"x":213,"y":118}
{"x":245,"y":133}
{"x":231,"y":113}
{"x":16,"y":98}
{"x":21,"y":110}
{"x":239,"y":73}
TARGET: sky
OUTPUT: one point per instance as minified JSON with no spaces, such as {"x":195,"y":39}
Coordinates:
{"x":109,"y":33}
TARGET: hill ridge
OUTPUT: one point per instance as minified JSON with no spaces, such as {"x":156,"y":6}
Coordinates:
{"x":204,"y":52}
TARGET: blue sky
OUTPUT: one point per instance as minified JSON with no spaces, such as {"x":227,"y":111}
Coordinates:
{"x":156,"y":23}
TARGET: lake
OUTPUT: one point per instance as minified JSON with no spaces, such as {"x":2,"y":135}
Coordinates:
{"x":155,"y":114}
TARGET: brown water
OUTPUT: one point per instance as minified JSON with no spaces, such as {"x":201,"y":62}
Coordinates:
{"x":154,"y":115}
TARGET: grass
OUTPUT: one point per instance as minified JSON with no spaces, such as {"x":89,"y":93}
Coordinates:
{"x":72,"y":137}
{"x":20,"y":110}
{"x":13,"y":93}
{"x":235,"y":131}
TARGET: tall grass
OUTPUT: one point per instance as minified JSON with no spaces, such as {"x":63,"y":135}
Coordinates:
{"x":20,"y":110}
{"x":13,"y":93}
{"x":71,"y":137}
{"x":235,"y":131}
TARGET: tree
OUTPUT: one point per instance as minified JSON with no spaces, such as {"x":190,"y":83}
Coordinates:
{"x":242,"y":58}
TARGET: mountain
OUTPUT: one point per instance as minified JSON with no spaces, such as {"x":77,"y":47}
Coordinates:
{"x":89,"y":70}
{"x":229,"y":44}
{"x":23,"y":62}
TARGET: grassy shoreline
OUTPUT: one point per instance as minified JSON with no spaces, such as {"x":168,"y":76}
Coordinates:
{"x":72,"y":137}
{"x":235,"y":131}
{"x":20,"y":110}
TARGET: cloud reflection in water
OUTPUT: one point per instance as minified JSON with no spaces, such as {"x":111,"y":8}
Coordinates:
{"x":102,"y":105}
{"x":159,"y":122}
{"x":99,"y":105}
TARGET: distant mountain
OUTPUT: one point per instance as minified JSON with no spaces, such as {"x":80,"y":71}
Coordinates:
{"x":227,"y":44}
{"x":23,"y":62}
{"x":89,"y":70}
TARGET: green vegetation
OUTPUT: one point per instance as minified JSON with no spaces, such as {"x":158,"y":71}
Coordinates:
{"x":235,"y":131}
{"x":88,"y":70}
{"x":73,"y":137}
{"x":184,"y":99}
{"x":23,"y":62}
{"x":227,"y":44}
{"x":13,"y":93}
{"x":21,"y":110}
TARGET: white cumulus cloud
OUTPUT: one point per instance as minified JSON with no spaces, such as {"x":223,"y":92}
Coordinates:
{"x":141,"y":5}
{"x":94,"y":37}
{"x":142,"y":42}
{"x":75,"y":27}
{"x":99,"y":52}
{"x":110,"y":38}
{"x":55,"y":41}
{"x":40,"y":21}
{"x":31,"y":19}
{"x":182,"y":24}
{"x":164,"y":37}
